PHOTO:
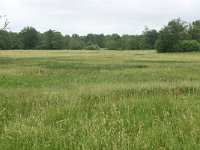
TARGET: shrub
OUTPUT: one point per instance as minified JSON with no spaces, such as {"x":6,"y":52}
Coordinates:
{"x":92,"y":47}
{"x":187,"y":46}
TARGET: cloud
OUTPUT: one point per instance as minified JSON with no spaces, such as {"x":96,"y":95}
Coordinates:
{"x":97,"y":16}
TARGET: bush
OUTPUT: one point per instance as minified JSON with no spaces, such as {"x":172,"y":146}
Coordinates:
{"x":92,"y":47}
{"x":187,"y":46}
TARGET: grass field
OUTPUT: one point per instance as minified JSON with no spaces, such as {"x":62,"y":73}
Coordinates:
{"x":99,"y":100}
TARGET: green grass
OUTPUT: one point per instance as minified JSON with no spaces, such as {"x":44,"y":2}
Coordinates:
{"x":99,"y":100}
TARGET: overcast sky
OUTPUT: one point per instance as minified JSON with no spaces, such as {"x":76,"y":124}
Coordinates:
{"x":97,"y":16}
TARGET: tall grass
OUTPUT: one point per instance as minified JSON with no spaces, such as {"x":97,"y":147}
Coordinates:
{"x":99,"y":100}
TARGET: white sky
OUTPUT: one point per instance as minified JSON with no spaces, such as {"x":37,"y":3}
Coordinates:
{"x":97,"y":16}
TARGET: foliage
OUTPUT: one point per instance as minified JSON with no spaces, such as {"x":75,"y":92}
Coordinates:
{"x":92,"y":47}
{"x":170,"y":38}
{"x":15,"y":41}
{"x":194,"y":30}
{"x":4,"y":40}
{"x":170,"y":35}
{"x":95,"y":39}
{"x":76,"y":42}
{"x":150,"y":37}
{"x":30,"y":37}
{"x":52,"y":40}
{"x":187,"y":46}
{"x":114,"y":42}
{"x":127,"y":42}
{"x":67,"y":41}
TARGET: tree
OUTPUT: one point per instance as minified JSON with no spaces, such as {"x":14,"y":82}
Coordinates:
{"x":150,"y":37}
{"x":126,"y":42}
{"x":137,"y":42}
{"x":114,"y":42}
{"x":194,"y":30}
{"x":15,"y":41}
{"x":90,"y":39}
{"x":67,"y":41}
{"x":95,"y":39}
{"x":4,"y":36}
{"x":52,"y":40}
{"x":101,"y":40}
{"x":170,"y":35}
{"x":76,"y":42}
{"x":30,"y":37}
{"x":4,"y":40}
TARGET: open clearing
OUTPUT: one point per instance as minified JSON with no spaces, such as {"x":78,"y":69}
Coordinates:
{"x":99,"y":100}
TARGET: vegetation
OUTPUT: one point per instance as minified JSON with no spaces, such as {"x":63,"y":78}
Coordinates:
{"x":99,"y":100}
{"x":187,"y":46}
{"x":30,"y":38}
{"x":92,"y":47}
{"x":177,"y":36}
{"x":51,"y":40}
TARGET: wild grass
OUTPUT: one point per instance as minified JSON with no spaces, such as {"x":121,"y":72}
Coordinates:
{"x":99,"y":100}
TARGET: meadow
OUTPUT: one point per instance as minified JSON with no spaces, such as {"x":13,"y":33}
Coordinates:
{"x":55,"y":100}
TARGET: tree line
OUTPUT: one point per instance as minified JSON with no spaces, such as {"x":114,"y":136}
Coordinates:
{"x":30,"y":38}
{"x":176,"y":36}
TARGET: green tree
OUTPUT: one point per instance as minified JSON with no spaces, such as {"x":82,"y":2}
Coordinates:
{"x":90,"y":39}
{"x":95,"y":39}
{"x":150,"y":37}
{"x":101,"y":40}
{"x":15,"y":41}
{"x":76,"y":42}
{"x":52,"y":40}
{"x":67,"y":41}
{"x":30,"y":37}
{"x":194,"y":30}
{"x":4,"y":40}
{"x":126,"y":42}
{"x":137,"y":42}
{"x":170,"y":35}
{"x":114,"y":42}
